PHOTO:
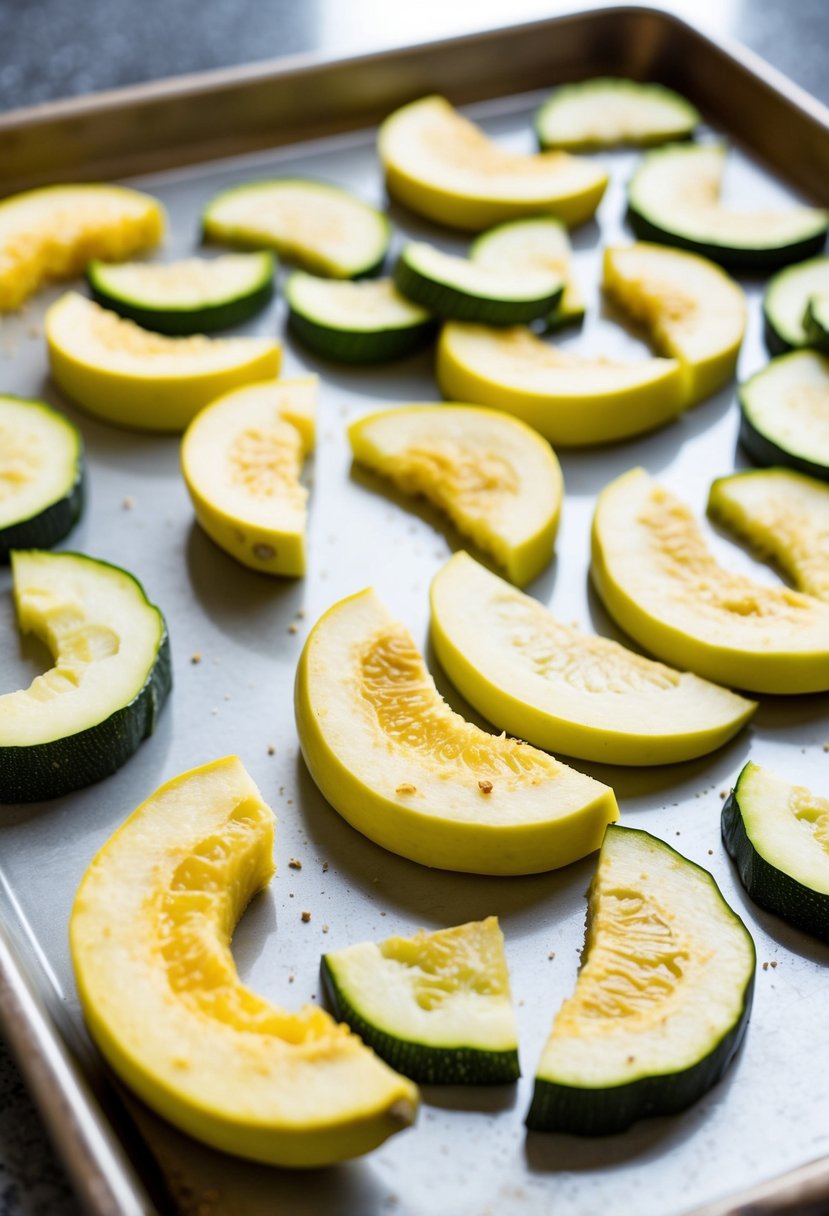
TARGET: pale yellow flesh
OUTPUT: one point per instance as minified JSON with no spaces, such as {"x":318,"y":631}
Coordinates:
{"x":391,"y":756}
{"x":39,"y":458}
{"x":787,"y":824}
{"x":608,"y":112}
{"x":242,"y":458}
{"x":496,"y":479}
{"x":362,"y":306}
{"x":789,"y":403}
{"x":150,"y":939}
{"x":134,"y":378}
{"x":53,"y":232}
{"x":190,"y":283}
{"x":542,"y":244}
{"x":660,"y":582}
{"x":564,"y":690}
{"x":690,"y":308}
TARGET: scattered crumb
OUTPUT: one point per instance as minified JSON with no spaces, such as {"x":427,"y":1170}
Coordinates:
{"x":765,"y":966}
{"x":289,"y":802}
{"x":291,"y":979}
{"x":300,"y":612}
{"x":293,"y":628}
{"x":195,"y":657}
{"x":631,"y":1059}
{"x":306,"y":916}
{"x":485,"y":787}
{"x":679,"y":833}
{"x":325,"y":928}
{"x":723,"y":794}
{"x":406,"y":788}
{"x":295,"y":863}
{"x":325,"y":867}
{"x":551,"y":955}
{"x":271,"y":750}
{"x":710,"y":852}
{"x":826,"y":747}
{"x":773,"y":962}
{"x":383,"y":914}
{"x":128,"y":503}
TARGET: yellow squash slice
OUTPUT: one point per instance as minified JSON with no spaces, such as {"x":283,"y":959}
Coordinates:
{"x":660,"y":582}
{"x":142,"y":380}
{"x":415,"y":777}
{"x":242,"y":457}
{"x":692,"y":310}
{"x":495,"y":478}
{"x":444,"y":167}
{"x":564,"y":690}
{"x":571,"y":400}
{"x":150,"y":940}
{"x":52,"y":233}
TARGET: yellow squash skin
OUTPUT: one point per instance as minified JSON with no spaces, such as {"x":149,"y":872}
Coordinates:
{"x":150,"y":941}
{"x":444,"y":167}
{"x":661,"y":584}
{"x":405,"y":770}
{"x":51,"y":233}
{"x":572,"y":401}
{"x":141,"y":380}
{"x":496,"y":479}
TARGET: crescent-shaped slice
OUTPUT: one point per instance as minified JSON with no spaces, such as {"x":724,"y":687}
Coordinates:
{"x":150,"y":940}
{"x":242,"y":458}
{"x":571,"y":400}
{"x":142,"y":380}
{"x":404,"y":769}
{"x":568,"y":691}
{"x":660,"y":582}
{"x":444,"y":167}
{"x":51,"y":233}
{"x":691,"y":309}
{"x":496,"y":479}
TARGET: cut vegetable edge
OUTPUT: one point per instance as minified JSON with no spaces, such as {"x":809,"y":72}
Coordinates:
{"x":816,"y":322}
{"x":533,"y":242}
{"x":767,"y":430}
{"x":636,"y":113}
{"x":785,"y":300}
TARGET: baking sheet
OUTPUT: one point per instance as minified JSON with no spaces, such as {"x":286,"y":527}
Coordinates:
{"x":469,"y":1154}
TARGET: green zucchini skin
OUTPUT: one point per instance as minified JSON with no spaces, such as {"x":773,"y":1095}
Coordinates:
{"x":44,"y":530}
{"x":359,"y":346}
{"x":764,"y":452}
{"x":725,"y":255}
{"x":816,"y":325}
{"x":425,"y":1064}
{"x":769,"y":887}
{"x":446,"y":300}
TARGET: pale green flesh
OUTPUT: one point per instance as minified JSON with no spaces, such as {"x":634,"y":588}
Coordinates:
{"x":534,"y":244}
{"x":789,"y":292}
{"x":366,"y":306}
{"x":186,"y":285}
{"x":610,"y":111}
{"x":475,"y":279}
{"x":787,"y":825}
{"x":39,"y":456}
{"x":788,"y":402}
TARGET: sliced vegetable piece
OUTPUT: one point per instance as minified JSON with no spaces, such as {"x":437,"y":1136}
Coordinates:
{"x":51,"y":233}
{"x":784,"y":413}
{"x":190,"y":297}
{"x":364,"y":322}
{"x":564,"y":690}
{"x":322,"y":227}
{"x":450,"y":286}
{"x":674,"y":198}
{"x":497,"y":479}
{"x":393,"y":759}
{"x":786,"y":299}
{"x":84,"y":718}
{"x":436,"y":1006}
{"x":539,"y":243}
{"x":444,"y":167}
{"x":150,"y":940}
{"x":778,"y":836}
{"x":661,"y":584}
{"x":691,"y":309}
{"x":144,"y":381}
{"x":783,"y":517}
{"x":571,"y":400}
{"x":610,"y":110}
{"x":41,"y":475}
{"x":816,"y":322}
{"x":662,"y":999}
{"x":242,"y":458}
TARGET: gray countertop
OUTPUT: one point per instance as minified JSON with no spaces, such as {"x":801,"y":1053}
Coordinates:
{"x":50,"y":49}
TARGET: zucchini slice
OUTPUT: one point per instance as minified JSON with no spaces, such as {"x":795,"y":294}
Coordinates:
{"x":610,"y":111}
{"x":436,"y":1006}
{"x":84,"y":718}
{"x":444,"y":167}
{"x":783,"y":517}
{"x":564,"y":690}
{"x":786,"y":300}
{"x":662,"y":998}
{"x":816,"y":322}
{"x":141,"y":380}
{"x":571,"y":400}
{"x":777,"y":834}
{"x":456,"y":287}
{"x":400,"y":766}
{"x":784,"y":413}
{"x":41,"y":475}
{"x":498,"y":481}
{"x":367,"y":321}
{"x":242,"y":458}
{"x":321,"y":227}
{"x":690,"y":308}
{"x":661,"y":584}
{"x":674,"y":198}
{"x":51,"y":233}
{"x":539,"y":243}
{"x":190,"y":297}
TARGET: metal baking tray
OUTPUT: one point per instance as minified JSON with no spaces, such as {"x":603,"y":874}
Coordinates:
{"x":469,"y":1154}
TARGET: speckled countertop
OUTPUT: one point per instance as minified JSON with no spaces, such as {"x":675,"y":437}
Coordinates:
{"x":51,"y":49}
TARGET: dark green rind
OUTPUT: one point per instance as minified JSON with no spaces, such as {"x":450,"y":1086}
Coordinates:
{"x":729,"y":256}
{"x":451,"y":302}
{"x":45,"y":529}
{"x":816,"y":325}
{"x":422,"y":1062}
{"x":768,"y":454}
{"x":359,"y":346}
{"x":775,"y":342}
{"x":769,"y":887}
